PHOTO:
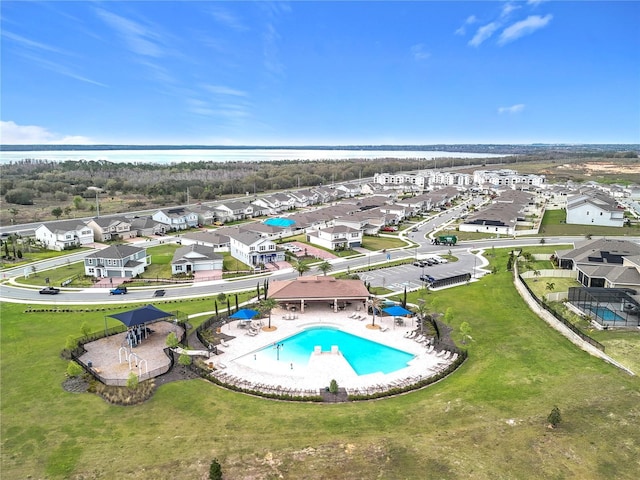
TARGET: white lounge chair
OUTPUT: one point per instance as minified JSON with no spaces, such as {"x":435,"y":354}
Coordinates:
{"x":454,"y":357}
{"x":384,"y":329}
{"x":446,"y":354}
{"x":224,"y":344}
{"x":440,"y":353}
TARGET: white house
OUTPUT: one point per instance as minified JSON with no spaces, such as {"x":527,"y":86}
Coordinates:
{"x":252,"y":249}
{"x":176,"y":218}
{"x":594,"y":209}
{"x":116,"y":261}
{"x":195,"y":258}
{"x":64,"y":235}
{"x":339,"y":237}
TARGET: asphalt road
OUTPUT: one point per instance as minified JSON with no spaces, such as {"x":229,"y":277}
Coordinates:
{"x":393,"y":278}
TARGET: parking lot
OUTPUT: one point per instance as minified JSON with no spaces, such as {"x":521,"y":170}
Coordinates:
{"x":401,"y":276}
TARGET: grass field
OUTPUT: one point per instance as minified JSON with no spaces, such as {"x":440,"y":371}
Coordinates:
{"x":553,"y":223}
{"x":487,"y":421}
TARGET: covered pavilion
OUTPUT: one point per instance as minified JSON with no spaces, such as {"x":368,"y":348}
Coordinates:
{"x":303,"y":291}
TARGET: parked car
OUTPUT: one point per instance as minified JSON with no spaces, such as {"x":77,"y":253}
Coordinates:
{"x":389,"y":228}
{"x":118,"y":291}
{"x":414,"y":229}
{"x":159,"y":293}
{"x":427,"y":278}
{"x":49,"y":291}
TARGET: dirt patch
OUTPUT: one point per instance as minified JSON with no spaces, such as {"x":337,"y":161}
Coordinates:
{"x":609,"y":168}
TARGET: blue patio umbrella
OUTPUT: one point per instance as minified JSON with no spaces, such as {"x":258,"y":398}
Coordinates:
{"x":397,"y":311}
{"x":245,"y":314}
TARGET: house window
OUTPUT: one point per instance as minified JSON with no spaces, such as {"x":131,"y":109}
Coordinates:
{"x":262,"y":248}
{"x":91,"y":270}
{"x":178,"y":268}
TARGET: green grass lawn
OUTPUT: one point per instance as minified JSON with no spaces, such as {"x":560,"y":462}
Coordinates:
{"x":487,"y":421}
{"x":380,"y":243}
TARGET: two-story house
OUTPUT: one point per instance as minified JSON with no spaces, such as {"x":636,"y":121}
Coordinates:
{"x":233,"y":211}
{"x":252,"y":249}
{"x":177,"y":218}
{"x":339,"y":237}
{"x":64,"y":235}
{"x":116,"y":261}
{"x":111,"y":228}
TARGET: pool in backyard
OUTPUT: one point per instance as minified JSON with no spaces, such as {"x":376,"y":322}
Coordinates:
{"x":606,"y":314}
{"x":279,"y":222}
{"x":364,"y":356}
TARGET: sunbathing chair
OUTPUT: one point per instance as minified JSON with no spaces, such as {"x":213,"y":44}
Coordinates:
{"x":446,"y":354}
{"x":224,"y":344}
{"x":430,"y":348}
{"x":454,"y":357}
{"x":384,"y":329}
{"x":440,"y":353}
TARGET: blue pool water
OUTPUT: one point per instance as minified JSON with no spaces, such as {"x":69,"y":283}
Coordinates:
{"x":606,"y":314}
{"x":364,"y":356}
{"x":279,"y":222}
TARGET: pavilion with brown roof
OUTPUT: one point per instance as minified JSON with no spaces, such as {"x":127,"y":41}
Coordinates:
{"x":318,"y":289}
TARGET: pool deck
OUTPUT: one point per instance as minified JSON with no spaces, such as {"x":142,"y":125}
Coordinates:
{"x":237,"y":365}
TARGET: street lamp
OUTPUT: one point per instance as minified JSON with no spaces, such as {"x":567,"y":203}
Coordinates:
{"x":278,"y":347}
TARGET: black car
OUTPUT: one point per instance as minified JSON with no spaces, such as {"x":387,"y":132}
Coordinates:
{"x":49,"y":291}
{"x":427,"y":278}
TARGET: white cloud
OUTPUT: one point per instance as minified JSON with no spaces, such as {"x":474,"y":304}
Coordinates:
{"x":138,"y":38}
{"x":535,"y":3}
{"x":523,"y":27}
{"x":227,"y":19}
{"x":223,"y":90}
{"x":14,"y":134}
{"x":31,"y":44}
{"x":418,"y":52}
{"x":508,"y":8}
{"x":471,"y":19}
{"x":512,"y":109}
{"x":483,"y":33}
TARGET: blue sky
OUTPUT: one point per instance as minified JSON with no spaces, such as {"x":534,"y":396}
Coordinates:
{"x":325,"y":73}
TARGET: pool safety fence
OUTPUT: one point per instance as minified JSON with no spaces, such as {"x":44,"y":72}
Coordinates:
{"x":560,"y":318}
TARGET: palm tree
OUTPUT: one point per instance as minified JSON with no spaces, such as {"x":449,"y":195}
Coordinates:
{"x":374,"y":303}
{"x":536,"y":273}
{"x":266,"y":306}
{"x":325,"y":267}
{"x":551,"y":286}
{"x":301,"y":267}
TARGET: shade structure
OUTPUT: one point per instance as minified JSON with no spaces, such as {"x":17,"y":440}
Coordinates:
{"x":245,"y":314}
{"x":141,"y":315}
{"x":397,"y":311}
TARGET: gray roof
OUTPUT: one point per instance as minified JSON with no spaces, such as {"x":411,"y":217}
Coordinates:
{"x":594,"y":248}
{"x":63,"y":226}
{"x":214,"y":238}
{"x":117,"y":251}
{"x":206,"y":253}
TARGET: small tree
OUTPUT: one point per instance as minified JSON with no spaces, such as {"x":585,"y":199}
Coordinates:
{"x":301,"y":267}
{"x":85,"y":329}
{"x":325,"y":267}
{"x":74,"y":370}
{"x":554,"y":417}
{"x":132,"y":381}
{"x":221,"y":297}
{"x":215,"y":470}
{"x":333,"y":387}
{"x":172,"y":340}
{"x":266,"y":306}
{"x":184,"y":360}
{"x":465,"y":331}
{"x":551,"y":286}
{"x":56,"y":212}
{"x":71,"y":343}
{"x":536,"y":273}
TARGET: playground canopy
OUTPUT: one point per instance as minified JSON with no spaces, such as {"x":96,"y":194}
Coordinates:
{"x":141,"y":315}
{"x":397,"y":311}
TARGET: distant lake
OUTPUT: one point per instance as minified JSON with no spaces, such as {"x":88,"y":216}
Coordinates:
{"x":229,"y":155}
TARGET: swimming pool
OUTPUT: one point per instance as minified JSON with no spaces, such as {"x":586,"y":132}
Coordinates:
{"x":606,"y":314}
{"x":279,"y":222}
{"x":364,"y":356}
